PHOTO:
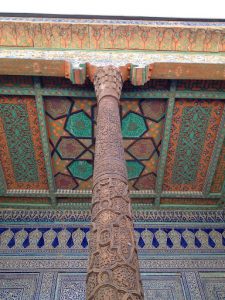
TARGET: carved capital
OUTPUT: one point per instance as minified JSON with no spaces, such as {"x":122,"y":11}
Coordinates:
{"x":108,"y":82}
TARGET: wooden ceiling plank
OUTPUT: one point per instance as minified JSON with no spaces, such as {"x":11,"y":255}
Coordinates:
{"x":6,"y":90}
{"x":215,"y":156}
{"x":200,"y":95}
{"x":44,"y":138}
{"x":165,"y":143}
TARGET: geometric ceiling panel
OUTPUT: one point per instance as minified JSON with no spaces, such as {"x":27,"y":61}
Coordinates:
{"x":154,"y":109}
{"x":72,"y":138}
{"x":79,"y":125}
{"x":133,"y":125}
{"x":81,"y":169}
{"x":142,"y":148}
{"x":142,"y":130}
{"x":72,"y":142}
{"x":193,"y":134}
{"x":65,"y":181}
{"x":134,"y":169}
{"x":146,"y":180}
{"x":193,"y":159}
{"x":57,"y":108}
{"x":21,"y":153}
{"x":69,"y":148}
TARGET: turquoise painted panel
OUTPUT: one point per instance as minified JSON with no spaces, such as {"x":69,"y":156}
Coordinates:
{"x":191,"y":140}
{"x":19,"y":140}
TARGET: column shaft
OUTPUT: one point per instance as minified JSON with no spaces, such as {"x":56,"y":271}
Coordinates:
{"x":113,"y":271}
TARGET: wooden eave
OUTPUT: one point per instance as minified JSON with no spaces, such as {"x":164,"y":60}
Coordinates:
{"x":142,"y":49}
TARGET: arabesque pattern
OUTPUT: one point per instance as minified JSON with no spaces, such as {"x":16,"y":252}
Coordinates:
{"x":20,"y":147}
{"x":194,"y":131}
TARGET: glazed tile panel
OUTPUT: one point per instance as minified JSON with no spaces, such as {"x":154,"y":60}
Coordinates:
{"x":71,"y":126}
{"x":73,"y":239}
{"x":21,"y":153}
{"x":194,"y":130}
{"x":64,"y":279}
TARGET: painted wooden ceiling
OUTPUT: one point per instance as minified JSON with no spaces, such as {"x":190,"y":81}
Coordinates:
{"x":173,"y":133}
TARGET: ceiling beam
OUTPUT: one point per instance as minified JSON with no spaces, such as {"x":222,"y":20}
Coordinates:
{"x":222,"y":198}
{"x":3,"y":186}
{"x":165,"y":144}
{"x":84,"y":93}
{"x":44,"y":139}
{"x":136,"y":66}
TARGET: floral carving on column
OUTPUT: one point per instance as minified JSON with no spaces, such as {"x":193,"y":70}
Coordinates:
{"x":113,"y":271}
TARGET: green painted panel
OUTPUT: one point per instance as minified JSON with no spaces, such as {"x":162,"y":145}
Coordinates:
{"x":190,"y":143}
{"x":81,"y":169}
{"x":133,"y":125}
{"x":19,"y":140}
{"x":134,"y":169}
{"x":79,"y":125}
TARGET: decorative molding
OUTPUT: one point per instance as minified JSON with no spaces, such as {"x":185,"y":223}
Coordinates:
{"x":117,"y":34}
{"x":222,"y":198}
{"x":105,"y":21}
{"x":84,"y":93}
{"x":215,"y":156}
{"x":48,"y":238}
{"x":133,"y":194}
{"x":142,"y":213}
{"x":189,"y":194}
{"x":165,"y":264}
{"x":165,"y":143}
{"x":44,"y":138}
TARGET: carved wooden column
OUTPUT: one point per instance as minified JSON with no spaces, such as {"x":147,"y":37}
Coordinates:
{"x":113,"y":271}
